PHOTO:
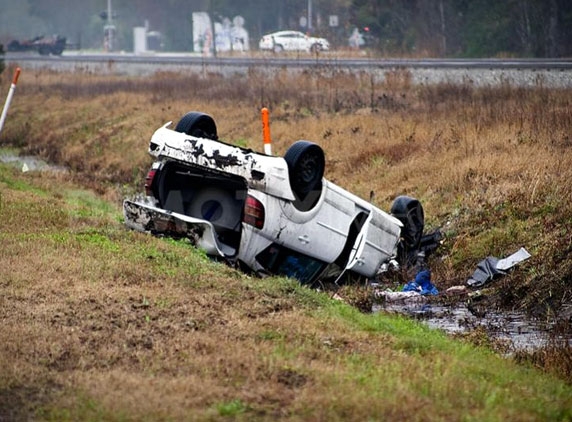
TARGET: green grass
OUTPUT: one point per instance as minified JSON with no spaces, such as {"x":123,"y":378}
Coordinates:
{"x":154,"y":316}
{"x":231,"y":408}
{"x":86,"y":204}
{"x":17,"y":184}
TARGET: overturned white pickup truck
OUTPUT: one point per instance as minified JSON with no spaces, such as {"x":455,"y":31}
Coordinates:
{"x":273,"y":215}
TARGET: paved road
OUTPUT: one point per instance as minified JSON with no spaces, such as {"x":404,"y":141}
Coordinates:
{"x":301,"y":59}
{"x":548,"y":72}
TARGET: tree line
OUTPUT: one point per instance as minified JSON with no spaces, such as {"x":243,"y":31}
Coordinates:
{"x":469,"y":28}
{"x":429,"y":28}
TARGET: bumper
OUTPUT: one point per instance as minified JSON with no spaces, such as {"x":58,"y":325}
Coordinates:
{"x":149,"y":219}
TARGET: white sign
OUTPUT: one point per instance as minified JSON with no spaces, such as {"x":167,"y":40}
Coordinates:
{"x":334,"y":20}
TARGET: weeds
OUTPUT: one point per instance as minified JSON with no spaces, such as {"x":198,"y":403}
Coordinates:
{"x":231,"y":408}
{"x":556,"y":356}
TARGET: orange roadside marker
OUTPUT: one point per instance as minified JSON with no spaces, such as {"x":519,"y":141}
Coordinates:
{"x":9,"y":98}
{"x":266,"y":132}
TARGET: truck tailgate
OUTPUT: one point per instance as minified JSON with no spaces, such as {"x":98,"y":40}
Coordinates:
{"x":147,"y":218}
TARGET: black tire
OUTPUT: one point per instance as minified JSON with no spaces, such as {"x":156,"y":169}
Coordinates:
{"x":197,"y":124}
{"x":410,"y":212}
{"x":306,"y":163}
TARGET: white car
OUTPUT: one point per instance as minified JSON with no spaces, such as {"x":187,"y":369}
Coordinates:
{"x":292,"y":41}
{"x":270,"y":214}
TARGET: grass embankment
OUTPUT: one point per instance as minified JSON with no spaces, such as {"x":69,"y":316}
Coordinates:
{"x":107,"y":324}
{"x":102,"y":323}
{"x":491,"y":165}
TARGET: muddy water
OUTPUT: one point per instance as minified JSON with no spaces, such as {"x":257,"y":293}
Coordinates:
{"x":515,"y":329}
{"x":27,"y":163}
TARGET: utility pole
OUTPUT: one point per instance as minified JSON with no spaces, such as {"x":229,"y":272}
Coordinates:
{"x":212,"y":28}
{"x":309,"y":16}
{"x":443,"y":29}
{"x":109,"y":29}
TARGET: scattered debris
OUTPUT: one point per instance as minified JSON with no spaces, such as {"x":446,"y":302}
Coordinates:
{"x":409,"y":297}
{"x":456,"y":291}
{"x":492,"y":267}
{"x":422,"y":284}
{"x":413,"y":292}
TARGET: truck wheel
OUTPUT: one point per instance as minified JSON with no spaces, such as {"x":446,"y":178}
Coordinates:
{"x":199,"y":125}
{"x":410,"y":212}
{"x":306,"y":163}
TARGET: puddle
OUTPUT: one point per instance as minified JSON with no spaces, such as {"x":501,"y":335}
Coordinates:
{"x":28,"y":163}
{"x":515,"y":329}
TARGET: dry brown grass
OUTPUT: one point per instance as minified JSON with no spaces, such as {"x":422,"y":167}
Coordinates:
{"x":494,"y":158}
{"x":464,"y":152}
{"x":90,"y":308}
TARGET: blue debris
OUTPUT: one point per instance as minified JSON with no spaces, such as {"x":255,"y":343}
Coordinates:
{"x":422,"y":284}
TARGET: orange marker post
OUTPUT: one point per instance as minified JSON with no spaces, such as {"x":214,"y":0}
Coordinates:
{"x":9,"y":98}
{"x":266,"y":132}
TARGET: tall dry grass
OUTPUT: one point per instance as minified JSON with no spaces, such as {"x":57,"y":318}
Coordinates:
{"x":100,"y":323}
{"x":491,"y":165}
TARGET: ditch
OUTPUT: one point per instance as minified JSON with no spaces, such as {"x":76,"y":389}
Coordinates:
{"x":515,"y":330}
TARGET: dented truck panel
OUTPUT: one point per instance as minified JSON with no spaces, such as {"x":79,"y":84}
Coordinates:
{"x":261,"y":172}
{"x":379,"y":244}
{"x":149,"y":219}
{"x":324,"y":231}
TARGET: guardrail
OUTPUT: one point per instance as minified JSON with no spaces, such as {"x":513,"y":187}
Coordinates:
{"x":548,"y":72}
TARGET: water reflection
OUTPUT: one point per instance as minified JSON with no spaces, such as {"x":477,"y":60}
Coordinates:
{"x":28,"y":163}
{"x":514,"y":328}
